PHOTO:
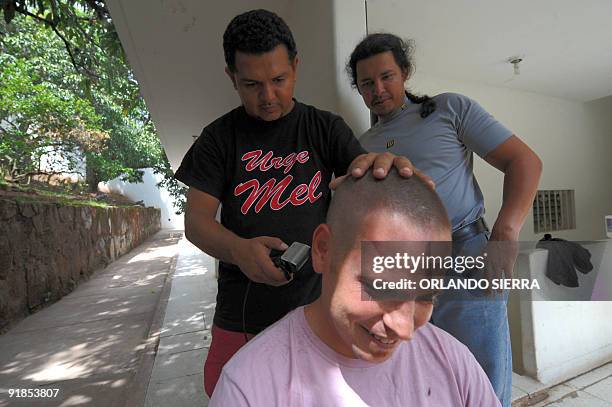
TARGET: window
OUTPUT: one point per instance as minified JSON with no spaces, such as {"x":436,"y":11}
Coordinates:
{"x":554,"y":210}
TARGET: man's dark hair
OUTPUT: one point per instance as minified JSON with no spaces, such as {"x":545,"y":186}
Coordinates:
{"x":256,"y":32}
{"x":378,"y":43}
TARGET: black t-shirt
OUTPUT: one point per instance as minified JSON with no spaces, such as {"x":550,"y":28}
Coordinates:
{"x":272,"y":180}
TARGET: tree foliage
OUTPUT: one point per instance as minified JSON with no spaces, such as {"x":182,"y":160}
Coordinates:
{"x":38,"y":117}
{"x":65,"y":85}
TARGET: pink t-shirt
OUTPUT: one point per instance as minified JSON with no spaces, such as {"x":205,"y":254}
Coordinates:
{"x":288,"y":365}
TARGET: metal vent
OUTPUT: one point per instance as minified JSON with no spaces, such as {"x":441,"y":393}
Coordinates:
{"x":554,"y":210}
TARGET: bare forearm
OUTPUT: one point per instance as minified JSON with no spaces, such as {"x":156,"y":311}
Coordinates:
{"x":520,"y":185}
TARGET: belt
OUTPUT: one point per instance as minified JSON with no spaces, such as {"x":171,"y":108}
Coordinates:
{"x":469,"y":230}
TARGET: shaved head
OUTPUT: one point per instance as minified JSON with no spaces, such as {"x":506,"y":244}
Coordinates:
{"x":348,"y":316}
{"x":409,"y":198}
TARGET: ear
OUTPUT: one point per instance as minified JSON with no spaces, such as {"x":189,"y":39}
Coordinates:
{"x":294,"y":65}
{"x":230,"y":74}
{"x":405,"y":75}
{"x":321,"y":245}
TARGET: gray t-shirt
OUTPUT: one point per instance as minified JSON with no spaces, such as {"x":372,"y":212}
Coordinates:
{"x":441,"y":145}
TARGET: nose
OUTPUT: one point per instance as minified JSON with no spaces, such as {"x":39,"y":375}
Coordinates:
{"x":267,"y":93}
{"x":399,"y":318}
{"x":378,"y":87}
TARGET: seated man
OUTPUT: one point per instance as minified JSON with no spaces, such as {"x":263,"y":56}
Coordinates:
{"x":347,"y":350}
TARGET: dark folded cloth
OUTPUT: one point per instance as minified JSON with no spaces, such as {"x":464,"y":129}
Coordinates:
{"x":564,"y":258}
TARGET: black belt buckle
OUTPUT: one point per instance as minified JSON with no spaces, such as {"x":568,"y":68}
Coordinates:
{"x":469,"y":230}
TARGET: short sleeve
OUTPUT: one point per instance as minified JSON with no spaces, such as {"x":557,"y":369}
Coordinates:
{"x":227,"y":393}
{"x":345,"y":146}
{"x":476,"y":127}
{"x":202,"y":167}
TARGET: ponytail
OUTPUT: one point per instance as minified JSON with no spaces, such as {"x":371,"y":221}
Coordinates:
{"x":428,"y":105}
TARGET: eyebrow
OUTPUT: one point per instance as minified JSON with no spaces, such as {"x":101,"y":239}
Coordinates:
{"x":280,"y":75}
{"x":387,"y":72}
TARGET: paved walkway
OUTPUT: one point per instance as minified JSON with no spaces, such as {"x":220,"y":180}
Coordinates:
{"x":591,"y":389}
{"x":177,"y":377}
{"x":95,"y":344}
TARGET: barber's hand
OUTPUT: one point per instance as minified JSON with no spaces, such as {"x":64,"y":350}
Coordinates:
{"x":381,"y":164}
{"x":253,"y":258}
{"x":502,"y":251}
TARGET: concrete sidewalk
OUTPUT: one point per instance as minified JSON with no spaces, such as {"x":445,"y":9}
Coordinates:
{"x":591,"y":389}
{"x":177,"y":377}
{"x":95,"y":344}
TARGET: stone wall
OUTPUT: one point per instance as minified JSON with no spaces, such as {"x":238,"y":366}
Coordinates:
{"x":46,"y":249}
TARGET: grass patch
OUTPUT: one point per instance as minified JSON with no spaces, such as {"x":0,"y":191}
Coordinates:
{"x":63,"y":201}
{"x":45,"y":193}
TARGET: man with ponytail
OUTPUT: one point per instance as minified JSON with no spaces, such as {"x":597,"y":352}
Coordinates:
{"x":439,"y":135}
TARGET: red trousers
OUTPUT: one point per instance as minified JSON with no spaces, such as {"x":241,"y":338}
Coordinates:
{"x":222,"y":347}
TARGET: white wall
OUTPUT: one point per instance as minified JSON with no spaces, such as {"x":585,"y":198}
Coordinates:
{"x":56,"y":160}
{"x":350,"y":28}
{"x":325,"y":33}
{"x":316,"y":70}
{"x":152,"y":195}
{"x":556,"y":340}
{"x":574,"y":141}
{"x":600,"y":112}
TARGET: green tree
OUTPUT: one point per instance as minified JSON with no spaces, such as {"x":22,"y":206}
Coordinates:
{"x":65,"y":84}
{"x":38,"y":117}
